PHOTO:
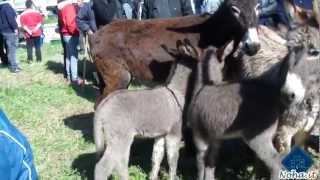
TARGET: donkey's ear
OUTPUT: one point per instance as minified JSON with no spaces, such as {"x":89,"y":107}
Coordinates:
{"x":236,"y":11}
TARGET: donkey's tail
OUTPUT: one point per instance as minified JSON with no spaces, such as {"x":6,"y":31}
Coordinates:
{"x":98,"y":136}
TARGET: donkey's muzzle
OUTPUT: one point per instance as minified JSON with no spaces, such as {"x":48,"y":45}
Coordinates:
{"x":252,"y":42}
{"x":252,"y":48}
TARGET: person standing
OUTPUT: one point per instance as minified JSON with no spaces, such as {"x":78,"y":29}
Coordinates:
{"x":166,"y":8}
{"x":31,"y":21}
{"x":9,"y":32}
{"x":67,"y":13}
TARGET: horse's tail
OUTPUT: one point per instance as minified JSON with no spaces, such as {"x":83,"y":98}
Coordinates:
{"x":98,"y":136}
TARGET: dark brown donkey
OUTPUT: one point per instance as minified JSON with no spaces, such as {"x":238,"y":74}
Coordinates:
{"x":123,"y":49}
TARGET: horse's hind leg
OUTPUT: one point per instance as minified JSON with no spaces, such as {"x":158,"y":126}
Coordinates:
{"x":157,"y":156}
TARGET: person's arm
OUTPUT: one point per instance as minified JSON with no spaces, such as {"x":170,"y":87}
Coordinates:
{"x":145,"y":14}
{"x":92,"y":19}
{"x":270,"y":7}
{"x":5,"y":166}
{"x":127,"y":7}
{"x":68,"y":18}
{"x":11,"y":17}
{"x":186,"y":7}
{"x":83,"y":13}
{"x":24,"y":27}
{"x":40,"y":21}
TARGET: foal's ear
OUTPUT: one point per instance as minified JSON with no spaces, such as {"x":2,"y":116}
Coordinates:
{"x":236,"y":11}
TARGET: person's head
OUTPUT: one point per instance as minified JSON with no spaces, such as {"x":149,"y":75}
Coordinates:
{"x":29,"y":4}
{"x":80,"y":2}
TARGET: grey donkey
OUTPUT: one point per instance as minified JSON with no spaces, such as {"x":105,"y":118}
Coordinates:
{"x":249,"y":110}
{"x":300,"y":120}
{"x":151,"y":113}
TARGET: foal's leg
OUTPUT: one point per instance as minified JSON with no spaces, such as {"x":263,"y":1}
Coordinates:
{"x":105,"y":166}
{"x":157,"y":156}
{"x":173,"y":145}
{"x":202,"y":147}
{"x":263,"y":147}
{"x":210,"y":159}
{"x":124,"y":154}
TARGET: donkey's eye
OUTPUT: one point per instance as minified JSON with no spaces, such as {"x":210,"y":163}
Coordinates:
{"x":236,"y":11}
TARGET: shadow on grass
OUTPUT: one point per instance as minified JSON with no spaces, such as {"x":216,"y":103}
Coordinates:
{"x":82,"y":122}
{"x":55,"y":67}
{"x":84,"y":164}
{"x":86,"y":91}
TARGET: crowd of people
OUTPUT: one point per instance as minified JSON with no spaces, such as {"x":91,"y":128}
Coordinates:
{"x":79,"y":19}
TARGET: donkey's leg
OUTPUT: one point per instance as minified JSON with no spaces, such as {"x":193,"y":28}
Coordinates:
{"x":105,"y":166}
{"x":202,"y":148}
{"x":210,"y":159}
{"x":157,"y":156}
{"x":173,"y":145}
{"x":263,"y":147}
{"x":124,"y":152}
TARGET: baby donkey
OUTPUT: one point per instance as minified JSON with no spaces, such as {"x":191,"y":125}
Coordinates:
{"x":151,"y":113}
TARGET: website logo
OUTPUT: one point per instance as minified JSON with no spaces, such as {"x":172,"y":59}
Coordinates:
{"x":297,"y":163}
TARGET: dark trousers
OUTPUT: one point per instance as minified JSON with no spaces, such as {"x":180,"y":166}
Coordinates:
{"x":3,"y":54}
{"x":10,"y":39}
{"x":34,"y":42}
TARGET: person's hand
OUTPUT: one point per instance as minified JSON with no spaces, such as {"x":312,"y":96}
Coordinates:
{"x":16,"y":31}
{"x":90,"y":32}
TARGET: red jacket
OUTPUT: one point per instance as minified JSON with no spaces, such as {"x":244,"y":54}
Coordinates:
{"x":67,"y":17}
{"x":32,"y":19}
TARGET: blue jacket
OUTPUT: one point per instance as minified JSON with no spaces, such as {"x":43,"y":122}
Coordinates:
{"x":8,"y":16}
{"x":16,"y":159}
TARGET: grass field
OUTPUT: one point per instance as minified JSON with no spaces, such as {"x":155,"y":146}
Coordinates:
{"x":57,"y":119}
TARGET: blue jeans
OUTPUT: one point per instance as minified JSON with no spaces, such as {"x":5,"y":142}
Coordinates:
{"x":71,"y":43}
{"x":10,"y":40}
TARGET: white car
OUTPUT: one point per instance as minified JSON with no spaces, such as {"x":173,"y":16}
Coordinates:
{"x":42,"y":5}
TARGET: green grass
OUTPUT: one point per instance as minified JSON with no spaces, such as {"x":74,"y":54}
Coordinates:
{"x":50,"y":20}
{"x":57,"y":119}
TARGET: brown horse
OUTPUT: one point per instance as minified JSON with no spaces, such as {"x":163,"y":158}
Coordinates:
{"x":123,"y":49}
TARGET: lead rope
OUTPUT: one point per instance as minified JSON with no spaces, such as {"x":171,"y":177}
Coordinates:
{"x":87,"y":57}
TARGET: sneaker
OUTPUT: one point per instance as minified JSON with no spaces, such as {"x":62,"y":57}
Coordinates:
{"x":78,"y":81}
{"x":15,"y":70}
